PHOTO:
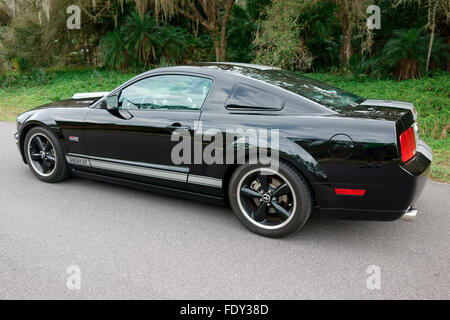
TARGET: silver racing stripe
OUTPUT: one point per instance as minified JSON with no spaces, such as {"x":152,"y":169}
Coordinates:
{"x":141,"y":169}
{"x":206,"y":181}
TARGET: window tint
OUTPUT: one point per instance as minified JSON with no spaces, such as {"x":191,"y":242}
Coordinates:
{"x":168,"y":92}
{"x":309,"y":88}
{"x":248,"y":97}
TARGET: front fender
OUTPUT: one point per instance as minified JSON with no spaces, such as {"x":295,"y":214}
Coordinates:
{"x":41,"y":119}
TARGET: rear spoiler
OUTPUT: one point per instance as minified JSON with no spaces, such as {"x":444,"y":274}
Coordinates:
{"x":88,"y":95}
{"x":392,"y":104}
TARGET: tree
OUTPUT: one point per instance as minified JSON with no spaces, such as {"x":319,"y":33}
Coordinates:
{"x":141,"y":37}
{"x":213,"y":15}
{"x":351,"y":14}
{"x":115,"y":50}
{"x":280,"y":42}
{"x":404,"y":54}
{"x":442,"y":7}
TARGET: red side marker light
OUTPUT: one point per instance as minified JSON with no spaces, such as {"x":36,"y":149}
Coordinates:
{"x":350,"y":192}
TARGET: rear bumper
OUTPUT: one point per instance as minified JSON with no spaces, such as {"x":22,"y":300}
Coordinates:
{"x":402,"y":186}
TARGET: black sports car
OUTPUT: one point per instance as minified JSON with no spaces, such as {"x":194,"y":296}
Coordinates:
{"x":348,"y":156}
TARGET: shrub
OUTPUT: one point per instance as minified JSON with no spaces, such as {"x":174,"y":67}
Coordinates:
{"x":279,"y":42}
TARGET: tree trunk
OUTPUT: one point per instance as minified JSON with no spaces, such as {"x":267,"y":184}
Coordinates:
{"x":213,"y":20}
{"x":432,"y":21}
{"x":216,"y":45}
{"x":223,"y":30}
{"x":346,"y":46}
{"x":448,"y":56}
{"x":223,"y":45}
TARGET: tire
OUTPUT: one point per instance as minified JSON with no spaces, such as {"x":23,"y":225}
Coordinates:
{"x":50,"y":167}
{"x":258,"y":208}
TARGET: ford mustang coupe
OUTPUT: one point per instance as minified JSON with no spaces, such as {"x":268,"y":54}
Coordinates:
{"x":345,"y":155}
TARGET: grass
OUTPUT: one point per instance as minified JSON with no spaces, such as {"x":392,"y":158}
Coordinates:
{"x":431,"y":97}
{"x":21,"y":93}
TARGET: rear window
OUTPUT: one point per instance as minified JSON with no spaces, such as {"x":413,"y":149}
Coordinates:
{"x":309,"y":88}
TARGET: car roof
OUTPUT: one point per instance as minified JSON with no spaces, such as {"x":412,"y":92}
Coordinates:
{"x":212,"y":67}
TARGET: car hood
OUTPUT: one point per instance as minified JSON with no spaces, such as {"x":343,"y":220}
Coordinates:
{"x":69,"y":103}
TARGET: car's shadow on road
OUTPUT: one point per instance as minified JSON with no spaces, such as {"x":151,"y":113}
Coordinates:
{"x":319,"y":227}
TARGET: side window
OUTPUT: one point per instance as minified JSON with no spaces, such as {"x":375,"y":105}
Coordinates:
{"x":245,"y":97}
{"x":167,"y":92}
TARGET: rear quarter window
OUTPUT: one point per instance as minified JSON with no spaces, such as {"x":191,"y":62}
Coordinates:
{"x":245,"y":97}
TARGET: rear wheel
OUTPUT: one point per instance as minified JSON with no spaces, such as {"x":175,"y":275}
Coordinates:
{"x":268,"y":202}
{"x":45,"y":156}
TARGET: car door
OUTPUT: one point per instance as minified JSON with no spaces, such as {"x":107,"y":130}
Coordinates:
{"x":135,"y":141}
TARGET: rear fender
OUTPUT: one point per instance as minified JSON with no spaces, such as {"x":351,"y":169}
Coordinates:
{"x":293,"y":154}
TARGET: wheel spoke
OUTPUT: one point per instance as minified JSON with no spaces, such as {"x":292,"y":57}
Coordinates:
{"x":281,"y":190}
{"x":51,"y":158}
{"x":283,"y":213}
{"x":249,"y":193}
{"x":263,"y":180}
{"x":35,"y":156}
{"x":39,"y":143}
{"x":260,"y":213}
{"x":47,"y":145}
{"x":44,"y":165}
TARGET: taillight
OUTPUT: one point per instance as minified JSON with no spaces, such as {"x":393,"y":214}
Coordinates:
{"x":408,"y":144}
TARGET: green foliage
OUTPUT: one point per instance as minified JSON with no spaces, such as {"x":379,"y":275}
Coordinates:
{"x":256,"y":8}
{"x":39,"y":76}
{"x":293,"y":34}
{"x":176,"y":44}
{"x":240,"y":36}
{"x":322,"y":34}
{"x":26,"y":39}
{"x":139,"y":42}
{"x":114,"y":50}
{"x":279,"y":42}
{"x":22,"y":92}
{"x":405,"y":53}
{"x":141,"y":36}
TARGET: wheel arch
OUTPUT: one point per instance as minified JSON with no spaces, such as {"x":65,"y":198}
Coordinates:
{"x":23,"y":133}
{"x":302,"y":162}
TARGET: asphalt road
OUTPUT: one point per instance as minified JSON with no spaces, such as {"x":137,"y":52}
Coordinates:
{"x":134,"y":244}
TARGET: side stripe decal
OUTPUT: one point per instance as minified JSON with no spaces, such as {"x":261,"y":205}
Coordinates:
{"x":148,"y":171}
{"x":206,"y":181}
{"x":141,"y":171}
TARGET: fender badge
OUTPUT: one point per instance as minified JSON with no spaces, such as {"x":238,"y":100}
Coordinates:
{"x":73,"y":138}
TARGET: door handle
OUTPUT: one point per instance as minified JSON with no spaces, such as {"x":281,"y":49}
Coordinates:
{"x":176,"y":126}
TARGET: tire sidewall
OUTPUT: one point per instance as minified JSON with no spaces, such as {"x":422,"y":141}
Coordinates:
{"x":61,"y":170}
{"x":302,"y":196}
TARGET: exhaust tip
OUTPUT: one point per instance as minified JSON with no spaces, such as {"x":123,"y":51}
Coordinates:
{"x":410,"y":214}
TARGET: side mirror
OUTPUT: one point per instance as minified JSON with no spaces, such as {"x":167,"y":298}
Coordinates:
{"x":112,"y":102}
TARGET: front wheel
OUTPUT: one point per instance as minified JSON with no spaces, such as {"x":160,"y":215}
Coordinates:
{"x":268,"y":202}
{"x":45,"y":156}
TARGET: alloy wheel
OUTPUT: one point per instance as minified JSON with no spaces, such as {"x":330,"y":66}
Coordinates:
{"x":266,"y":198}
{"x":41,"y":154}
